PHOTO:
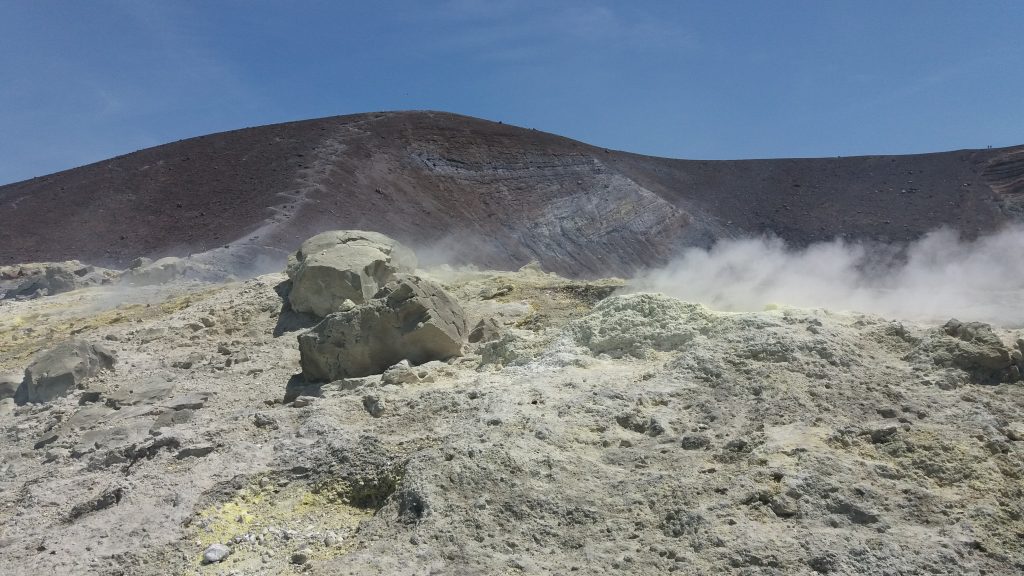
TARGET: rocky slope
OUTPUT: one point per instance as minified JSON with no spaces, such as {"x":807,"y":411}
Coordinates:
{"x":582,"y":432}
{"x":480,"y":192}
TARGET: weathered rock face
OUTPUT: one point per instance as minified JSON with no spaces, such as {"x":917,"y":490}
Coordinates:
{"x":408,"y":319}
{"x":972,"y":347}
{"x":25,"y":281}
{"x":60,"y":369}
{"x":342,"y":265}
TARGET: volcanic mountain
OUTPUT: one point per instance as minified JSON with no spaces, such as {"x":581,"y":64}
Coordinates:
{"x":481,"y":192}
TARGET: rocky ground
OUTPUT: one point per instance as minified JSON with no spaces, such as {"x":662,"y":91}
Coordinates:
{"x":580,"y":433}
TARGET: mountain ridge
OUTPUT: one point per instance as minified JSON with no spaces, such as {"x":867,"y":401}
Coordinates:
{"x":485,"y":193}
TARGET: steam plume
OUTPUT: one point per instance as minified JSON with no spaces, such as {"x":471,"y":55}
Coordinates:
{"x":935,"y":278}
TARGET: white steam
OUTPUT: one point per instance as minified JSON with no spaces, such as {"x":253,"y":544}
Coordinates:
{"x":933,"y":279}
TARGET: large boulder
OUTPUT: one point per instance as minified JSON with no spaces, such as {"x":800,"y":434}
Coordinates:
{"x":341,"y":265}
{"x":408,"y":319}
{"x":977,"y":346}
{"x":970,"y":346}
{"x":60,"y":369}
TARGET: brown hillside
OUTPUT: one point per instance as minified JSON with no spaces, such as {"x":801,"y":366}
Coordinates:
{"x":484,"y":192}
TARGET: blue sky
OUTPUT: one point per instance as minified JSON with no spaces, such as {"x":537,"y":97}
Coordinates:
{"x":83,"y":81}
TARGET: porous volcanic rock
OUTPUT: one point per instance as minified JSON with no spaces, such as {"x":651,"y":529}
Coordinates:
{"x":972,"y":347}
{"x":410,"y":318}
{"x":341,"y":265}
{"x":60,"y":369}
{"x":635,"y":324}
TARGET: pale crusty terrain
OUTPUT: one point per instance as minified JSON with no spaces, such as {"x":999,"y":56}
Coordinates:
{"x":630,"y":434}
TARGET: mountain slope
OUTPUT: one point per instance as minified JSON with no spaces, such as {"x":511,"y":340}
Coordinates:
{"x":482,"y":192}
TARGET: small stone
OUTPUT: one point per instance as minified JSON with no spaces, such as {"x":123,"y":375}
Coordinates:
{"x":401,"y":373}
{"x":491,"y":292}
{"x":695,"y":442}
{"x":191,"y":401}
{"x":374,"y":405}
{"x":45,"y":441}
{"x":784,"y":507}
{"x":737,"y":445}
{"x":882,"y":434}
{"x":331,"y":540}
{"x":215,"y":553}
{"x":197,"y":451}
{"x":300,"y":557}
{"x":303,"y":401}
{"x":264,"y":420}
{"x":887,"y":412}
{"x":486,"y":330}
{"x":208,"y":321}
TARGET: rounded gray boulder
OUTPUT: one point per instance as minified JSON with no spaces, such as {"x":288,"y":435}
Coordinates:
{"x":340,"y":265}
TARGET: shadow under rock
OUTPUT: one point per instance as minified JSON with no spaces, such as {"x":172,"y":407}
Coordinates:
{"x":299,"y":386}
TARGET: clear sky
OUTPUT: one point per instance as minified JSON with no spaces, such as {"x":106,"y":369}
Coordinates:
{"x":83,"y":81}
